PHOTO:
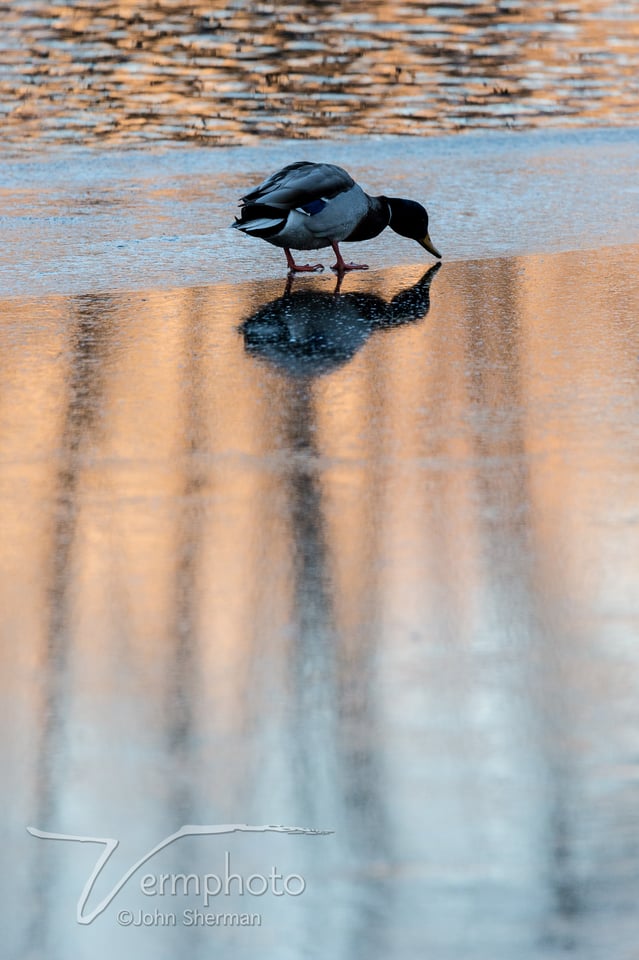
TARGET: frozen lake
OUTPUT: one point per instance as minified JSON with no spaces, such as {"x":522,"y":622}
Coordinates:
{"x":80,"y":221}
{"x":363,"y":561}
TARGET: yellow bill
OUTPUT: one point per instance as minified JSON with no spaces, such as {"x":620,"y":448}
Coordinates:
{"x":427,"y":244}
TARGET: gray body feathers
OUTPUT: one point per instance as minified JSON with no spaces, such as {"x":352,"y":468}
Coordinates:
{"x":306,"y":206}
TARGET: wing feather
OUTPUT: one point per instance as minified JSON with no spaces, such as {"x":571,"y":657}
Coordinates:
{"x":261,"y":223}
{"x":299,"y":184}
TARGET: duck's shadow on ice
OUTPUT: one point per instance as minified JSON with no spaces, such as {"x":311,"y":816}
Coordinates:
{"x":310,"y":332}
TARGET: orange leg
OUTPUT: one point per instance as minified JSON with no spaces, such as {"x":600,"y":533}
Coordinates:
{"x":299,"y":268}
{"x":341,"y":266}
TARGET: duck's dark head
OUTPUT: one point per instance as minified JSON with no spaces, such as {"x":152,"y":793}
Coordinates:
{"x":409,"y":219}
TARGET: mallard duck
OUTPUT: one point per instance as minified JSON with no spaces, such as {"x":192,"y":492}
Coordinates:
{"x":306,"y":206}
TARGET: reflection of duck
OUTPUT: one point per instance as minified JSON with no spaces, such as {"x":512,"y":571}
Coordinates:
{"x":311,"y":332}
{"x":306,"y":206}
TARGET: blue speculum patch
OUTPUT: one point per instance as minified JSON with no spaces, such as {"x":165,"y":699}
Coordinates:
{"x":315,"y":206}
